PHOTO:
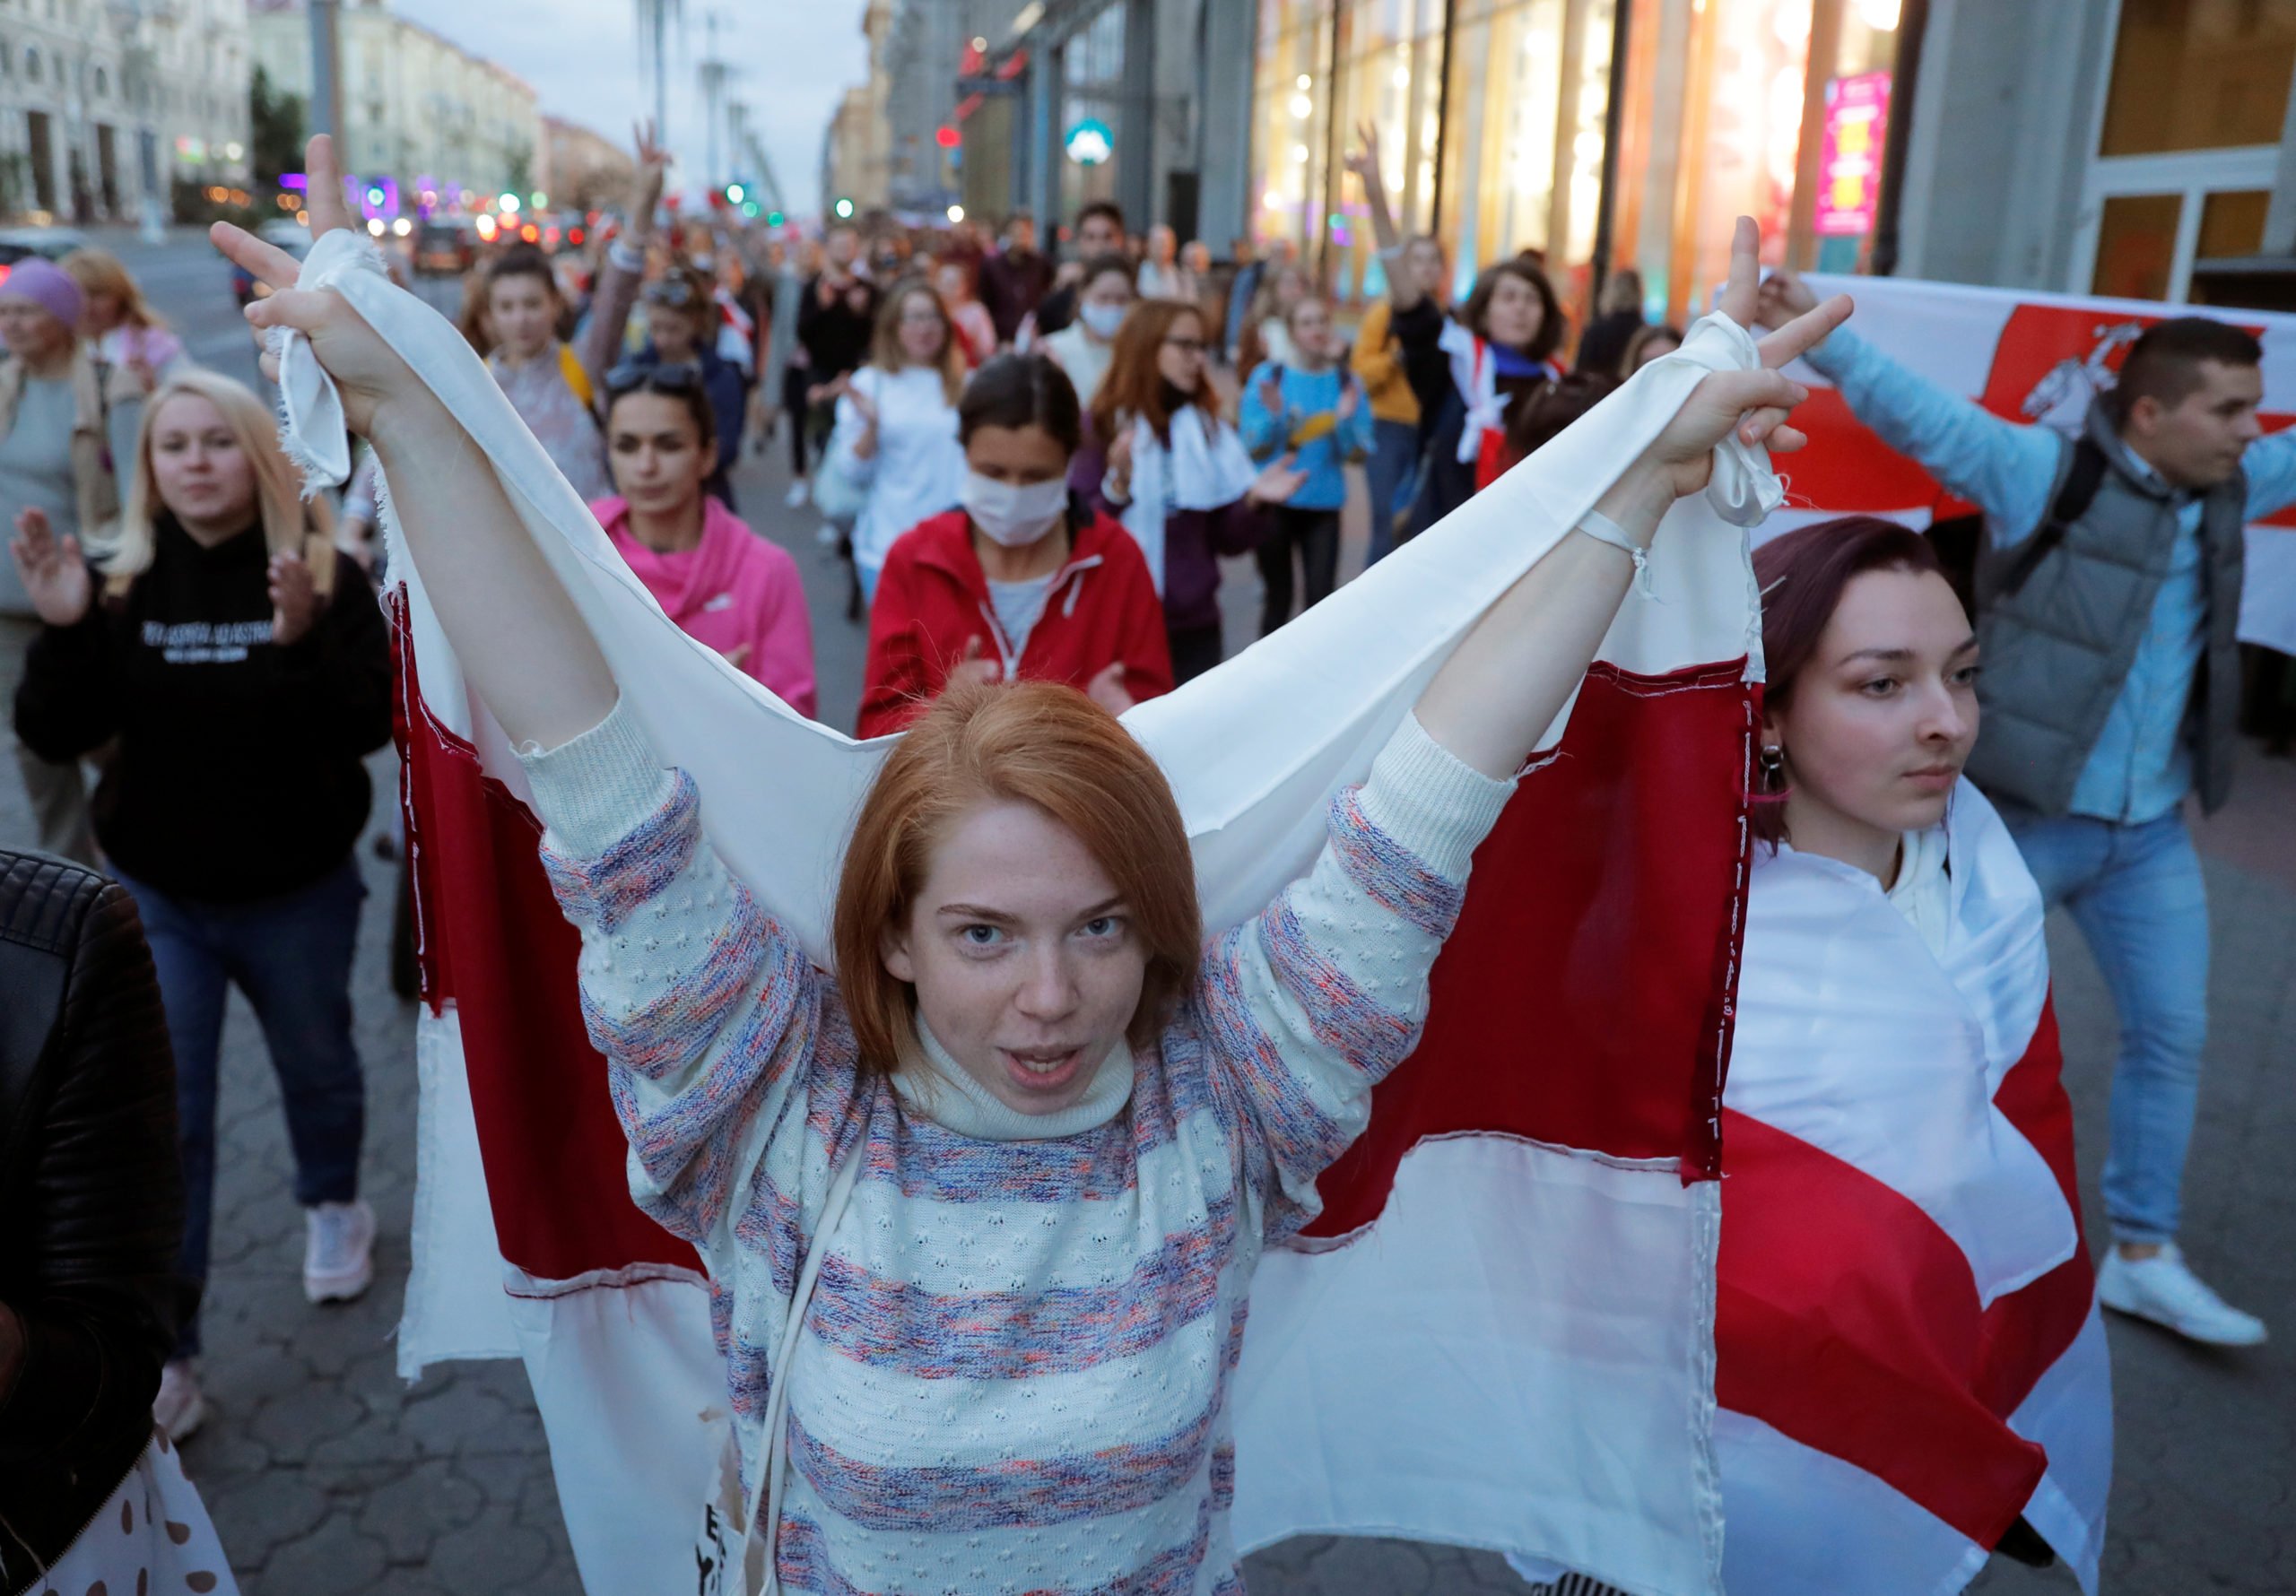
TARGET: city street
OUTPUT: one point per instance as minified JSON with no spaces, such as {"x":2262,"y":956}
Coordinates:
{"x":328,"y":1476}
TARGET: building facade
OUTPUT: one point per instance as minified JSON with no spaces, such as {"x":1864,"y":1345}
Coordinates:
{"x":106,"y":104}
{"x":416,"y":108}
{"x":856,"y":152}
{"x":2118,"y":146}
{"x":581,"y":169}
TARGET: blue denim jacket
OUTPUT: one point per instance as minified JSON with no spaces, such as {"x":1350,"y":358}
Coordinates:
{"x":2141,"y":766}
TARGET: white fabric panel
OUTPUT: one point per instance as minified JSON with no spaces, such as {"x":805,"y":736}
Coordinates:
{"x":1868,"y":1539}
{"x":1474,"y":1293}
{"x":2062,"y":1412}
{"x":632,"y":1395}
{"x":455,"y":1307}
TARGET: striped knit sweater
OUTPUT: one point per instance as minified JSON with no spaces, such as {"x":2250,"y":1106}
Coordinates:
{"x":1014,"y":1372}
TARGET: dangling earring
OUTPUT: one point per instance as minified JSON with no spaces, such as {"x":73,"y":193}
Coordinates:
{"x":1773,"y":767}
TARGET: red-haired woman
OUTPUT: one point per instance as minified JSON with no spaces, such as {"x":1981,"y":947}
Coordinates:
{"x":1160,"y":458}
{"x":1001,"y":1181}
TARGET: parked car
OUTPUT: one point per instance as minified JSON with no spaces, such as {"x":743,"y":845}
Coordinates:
{"x":49,"y":243}
{"x":445,"y":249}
{"x":292,"y":237}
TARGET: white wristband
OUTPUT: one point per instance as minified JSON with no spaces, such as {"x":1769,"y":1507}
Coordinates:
{"x":1604,"y":530}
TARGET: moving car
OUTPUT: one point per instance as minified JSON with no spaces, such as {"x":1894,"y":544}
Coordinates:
{"x":445,"y":249}
{"x":49,"y":243}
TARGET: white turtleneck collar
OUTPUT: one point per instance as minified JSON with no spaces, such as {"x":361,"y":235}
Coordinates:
{"x":942,"y":1092}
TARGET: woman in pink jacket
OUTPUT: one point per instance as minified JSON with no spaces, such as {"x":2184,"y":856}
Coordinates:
{"x":721,"y":582}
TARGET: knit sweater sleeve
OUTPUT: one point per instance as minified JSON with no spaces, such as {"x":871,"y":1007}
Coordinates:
{"x":1309,"y":1006}
{"x":706,"y":1010}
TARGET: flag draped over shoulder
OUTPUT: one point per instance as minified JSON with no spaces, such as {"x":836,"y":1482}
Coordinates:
{"x":1909,"y":1349}
{"x":2026,"y":357}
{"x":1500,"y":1333}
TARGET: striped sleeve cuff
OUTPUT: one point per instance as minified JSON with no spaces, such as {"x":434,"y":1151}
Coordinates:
{"x":1429,"y":801}
{"x":599,"y":787}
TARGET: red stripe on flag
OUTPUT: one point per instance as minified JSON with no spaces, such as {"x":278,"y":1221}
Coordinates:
{"x":1848,"y":1321}
{"x":1566,"y":1008}
{"x":493,"y":941}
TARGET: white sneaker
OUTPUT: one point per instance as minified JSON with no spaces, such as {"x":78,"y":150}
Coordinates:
{"x":799,"y":493}
{"x":178,"y":1409}
{"x":338,"y":1245}
{"x":2162,"y":1289}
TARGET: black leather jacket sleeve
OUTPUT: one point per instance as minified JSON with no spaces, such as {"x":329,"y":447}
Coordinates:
{"x":89,"y":1179}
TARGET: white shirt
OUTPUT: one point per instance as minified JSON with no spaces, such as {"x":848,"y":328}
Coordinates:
{"x":1019,"y":606}
{"x":919,"y":469}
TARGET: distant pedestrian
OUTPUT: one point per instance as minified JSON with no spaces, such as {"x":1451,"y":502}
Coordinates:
{"x":720,"y":582}
{"x":836,"y":320}
{"x":1085,"y":347}
{"x":546,"y":382}
{"x":1162,"y":276}
{"x":1267,"y":333}
{"x":67,"y":422}
{"x":1099,"y":235}
{"x":1161,"y":459}
{"x":895,"y":449}
{"x":115,"y":318}
{"x":1399,"y":357}
{"x":240,"y":666}
{"x":1601,"y":348}
{"x":967,"y":317}
{"x":1014,"y":281}
{"x":1026,"y":581}
{"x":1313,"y":412}
{"x":1653,"y":343}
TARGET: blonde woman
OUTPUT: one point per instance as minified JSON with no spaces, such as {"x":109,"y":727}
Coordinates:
{"x":241,"y":664}
{"x":114,"y":318}
{"x":894,"y":455}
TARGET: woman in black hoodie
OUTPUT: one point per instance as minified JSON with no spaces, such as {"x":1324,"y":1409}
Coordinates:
{"x":242,"y":666}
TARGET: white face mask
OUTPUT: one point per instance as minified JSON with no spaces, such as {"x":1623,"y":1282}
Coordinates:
{"x":1101,"y":320}
{"x":1011,"y":514}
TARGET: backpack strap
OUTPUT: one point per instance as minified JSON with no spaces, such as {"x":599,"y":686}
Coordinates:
{"x":2075,"y":495}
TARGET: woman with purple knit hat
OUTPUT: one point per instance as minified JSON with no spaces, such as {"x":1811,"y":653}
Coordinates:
{"x":66,"y":423}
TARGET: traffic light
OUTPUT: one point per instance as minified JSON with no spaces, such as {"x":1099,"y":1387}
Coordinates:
{"x":734,"y":192}
{"x":773,"y":219}
{"x":844,"y":208}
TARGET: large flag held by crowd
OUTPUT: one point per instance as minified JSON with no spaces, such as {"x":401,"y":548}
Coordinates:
{"x":1513,"y":1324}
{"x":2028,"y":357}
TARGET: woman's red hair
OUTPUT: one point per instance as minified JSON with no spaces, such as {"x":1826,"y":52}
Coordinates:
{"x":1038,"y":742}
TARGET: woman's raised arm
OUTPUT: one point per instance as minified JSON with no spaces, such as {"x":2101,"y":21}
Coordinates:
{"x":1514,"y":671}
{"x":522,"y":643}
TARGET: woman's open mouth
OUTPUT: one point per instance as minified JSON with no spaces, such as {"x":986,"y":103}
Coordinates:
{"x":1042,"y":1069}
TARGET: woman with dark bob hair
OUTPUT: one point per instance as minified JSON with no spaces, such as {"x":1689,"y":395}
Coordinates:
{"x":1894,"y":1069}
{"x":1022,"y":582}
{"x":982,"y":1206}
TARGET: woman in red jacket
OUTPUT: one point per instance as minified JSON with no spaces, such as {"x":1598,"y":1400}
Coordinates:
{"x":1024,"y":582}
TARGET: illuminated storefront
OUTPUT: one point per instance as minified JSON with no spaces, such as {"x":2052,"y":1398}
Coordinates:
{"x":1493,"y":113}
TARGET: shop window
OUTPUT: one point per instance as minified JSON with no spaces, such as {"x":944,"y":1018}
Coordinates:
{"x":2136,"y":246}
{"x":1390,"y":76}
{"x":2231,"y":223}
{"x":31,"y":66}
{"x":2198,"y":74}
{"x":1530,"y":80}
{"x":1292,"y":122}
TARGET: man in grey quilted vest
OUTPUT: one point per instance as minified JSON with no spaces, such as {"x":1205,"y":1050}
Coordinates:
{"x":2109,"y":591}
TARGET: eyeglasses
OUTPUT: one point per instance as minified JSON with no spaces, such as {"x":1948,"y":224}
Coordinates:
{"x":1187,"y":346}
{"x":683,"y":377}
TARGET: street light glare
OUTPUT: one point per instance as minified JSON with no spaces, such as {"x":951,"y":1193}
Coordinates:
{"x":956,"y":213}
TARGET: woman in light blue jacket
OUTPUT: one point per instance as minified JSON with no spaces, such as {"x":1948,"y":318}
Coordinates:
{"x":1313,"y":409}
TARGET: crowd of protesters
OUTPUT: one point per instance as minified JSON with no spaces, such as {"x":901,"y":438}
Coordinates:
{"x":1030,"y":456}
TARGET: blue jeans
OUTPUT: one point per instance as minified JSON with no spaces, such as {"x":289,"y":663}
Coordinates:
{"x":2135,"y":892}
{"x":1392,"y":469}
{"x":291,"y":957}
